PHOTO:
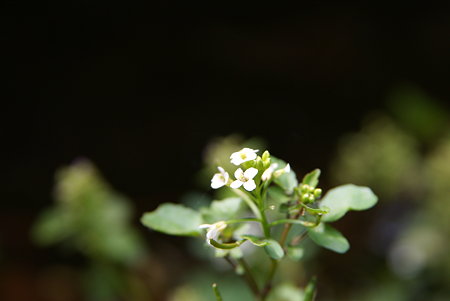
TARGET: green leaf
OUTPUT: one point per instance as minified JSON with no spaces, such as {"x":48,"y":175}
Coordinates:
{"x":276,"y":195}
{"x":310,"y":290}
{"x":326,"y":236}
{"x":295,"y":252}
{"x":173,"y":219}
{"x":286,"y":292}
{"x":53,"y":225}
{"x":343,"y":198}
{"x":273,"y":249}
{"x":257,"y":241}
{"x":287,"y":181}
{"x":222,"y":210}
{"x":312,"y":178}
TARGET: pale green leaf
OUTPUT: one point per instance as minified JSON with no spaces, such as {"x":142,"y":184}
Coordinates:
{"x":173,"y":219}
{"x":312,"y":178}
{"x":273,"y":249}
{"x":295,"y":252}
{"x":288,"y":181}
{"x":286,"y":292}
{"x":343,"y":198}
{"x":326,"y":236}
{"x":222,"y":210}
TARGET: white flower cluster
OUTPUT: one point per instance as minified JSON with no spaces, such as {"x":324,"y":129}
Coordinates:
{"x":245,"y":178}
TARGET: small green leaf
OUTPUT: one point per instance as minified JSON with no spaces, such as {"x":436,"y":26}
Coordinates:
{"x":273,"y":249}
{"x":343,"y":198}
{"x":173,"y":219}
{"x":295,"y":252}
{"x":312,"y":178}
{"x":257,"y":241}
{"x":310,"y":290}
{"x":326,"y":236}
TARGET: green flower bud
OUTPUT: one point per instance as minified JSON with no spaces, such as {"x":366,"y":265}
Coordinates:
{"x":306,"y":197}
{"x":266,"y":156}
{"x":317,"y":192}
{"x":311,"y":198}
{"x":304,"y":188}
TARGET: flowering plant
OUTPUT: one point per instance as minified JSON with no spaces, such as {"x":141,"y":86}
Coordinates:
{"x":267,"y":193}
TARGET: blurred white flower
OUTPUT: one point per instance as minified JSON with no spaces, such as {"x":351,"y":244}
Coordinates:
{"x":220,"y":179}
{"x":244,"y":155}
{"x":267,"y":174}
{"x":245,"y":178}
{"x":214,"y":230}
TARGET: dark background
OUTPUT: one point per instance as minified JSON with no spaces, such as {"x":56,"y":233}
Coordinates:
{"x":140,"y":90}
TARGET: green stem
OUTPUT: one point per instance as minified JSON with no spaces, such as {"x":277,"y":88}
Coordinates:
{"x":249,"y":202}
{"x":216,"y":292}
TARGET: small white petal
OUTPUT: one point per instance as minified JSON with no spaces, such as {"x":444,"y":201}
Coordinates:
{"x":218,"y":181}
{"x":250,"y":173}
{"x":213,"y":233}
{"x":203,"y":226}
{"x":239,"y":173}
{"x":222,"y":171}
{"x":236,"y":184}
{"x":267,"y":174}
{"x":244,"y":155}
{"x":250,"y":185}
{"x":287,"y":168}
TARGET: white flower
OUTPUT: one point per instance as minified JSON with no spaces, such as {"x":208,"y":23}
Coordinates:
{"x":244,"y":155}
{"x":220,"y":179}
{"x":267,"y":174}
{"x":245,"y":178}
{"x":214,"y":230}
{"x":279,"y":172}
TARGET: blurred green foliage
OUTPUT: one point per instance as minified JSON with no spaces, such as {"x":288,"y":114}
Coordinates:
{"x":91,"y":218}
{"x":404,"y":154}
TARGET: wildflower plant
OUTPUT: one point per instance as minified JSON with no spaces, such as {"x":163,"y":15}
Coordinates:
{"x":268,"y":194}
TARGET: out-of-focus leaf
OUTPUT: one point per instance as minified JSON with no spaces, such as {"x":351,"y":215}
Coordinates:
{"x":276,"y":195}
{"x":326,"y":236}
{"x":222,"y":210}
{"x":286,"y":292}
{"x":52,"y":226}
{"x":288,"y":181}
{"x":173,"y":219}
{"x":273,"y":249}
{"x":295,"y":252}
{"x":343,"y":198}
{"x":312,"y":178}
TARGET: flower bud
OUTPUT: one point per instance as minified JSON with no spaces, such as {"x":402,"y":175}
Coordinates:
{"x":266,"y":156}
{"x":304,"y":188}
{"x":317,"y":192}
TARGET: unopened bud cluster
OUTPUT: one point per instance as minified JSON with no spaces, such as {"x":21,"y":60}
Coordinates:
{"x":309,"y":194}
